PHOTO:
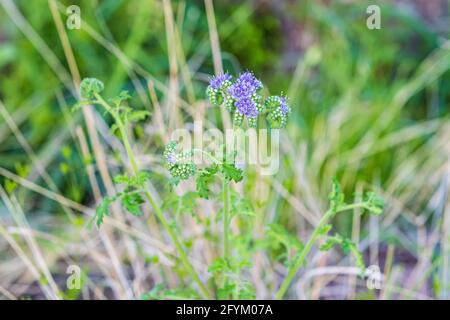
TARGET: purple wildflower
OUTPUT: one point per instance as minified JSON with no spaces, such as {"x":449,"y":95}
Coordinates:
{"x":216,"y":82}
{"x":171,"y":159}
{"x":284,"y":108}
{"x":247,"y":107}
{"x":245,"y":86}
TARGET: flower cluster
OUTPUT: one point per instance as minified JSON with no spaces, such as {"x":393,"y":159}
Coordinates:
{"x":89,"y":87}
{"x":247,"y":100}
{"x":180,"y":165}
{"x":217,"y":88}
{"x":278,"y":111}
{"x":242,"y":98}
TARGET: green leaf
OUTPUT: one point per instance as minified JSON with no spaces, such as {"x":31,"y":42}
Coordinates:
{"x":350,"y":246}
{"x":132,"y":203}
{"x":231,"y":172}
{"x":219,"y":266}
{"x":132,"y":181}
{"x":204,"y":179}
{"x":374,"y":203}
{"x":102,"y":210}
{"x":331,"y":242}
{"x":136,"y":116}
{"x":10,"y":186}
{"x":123,"y":96}
{"x":246,"y":291}
{"x":121,"y":179}
{"x":347,"y":246}
{"x":336,"y":196}
{"x":226,"y":291}
{"x":80,"y":104}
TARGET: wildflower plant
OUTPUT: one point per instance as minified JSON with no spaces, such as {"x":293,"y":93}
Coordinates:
{"x":243,"y":98}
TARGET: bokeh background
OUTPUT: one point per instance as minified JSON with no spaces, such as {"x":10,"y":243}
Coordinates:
{"x":370,"y":107}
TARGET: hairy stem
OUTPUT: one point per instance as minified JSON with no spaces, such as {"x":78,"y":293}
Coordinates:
{"x":226,"y":218}
{"x":226,"y":203}
{"x":308,"y":246}
{"x":148,"y":196}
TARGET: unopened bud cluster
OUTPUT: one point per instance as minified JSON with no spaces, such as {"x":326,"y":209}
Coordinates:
{"x":242,"y":97}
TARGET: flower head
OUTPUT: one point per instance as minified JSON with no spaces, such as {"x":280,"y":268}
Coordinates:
{"x":216,"y":82}
{"x":284,"y":108}
{"x":89,"y":87}
{"x":180,"y":165}
{"x":171,"y":158}
{"x":242,"y":97}
{"x":245,"y":86}
{"x":278,"y":111}
{"x":247,"y":107}
{"x":217,"y":88}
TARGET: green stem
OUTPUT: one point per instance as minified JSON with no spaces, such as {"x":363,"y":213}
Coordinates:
{"x":152,"y":202}
{"x":226,"y":205}
{"x":308,"y":246}
{"x":210,"y":156}
{"x":226,"y":217}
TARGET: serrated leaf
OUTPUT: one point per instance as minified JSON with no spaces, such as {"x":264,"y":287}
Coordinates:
{"x":123,"y":96}
{"x":102,"y":210}
{"x":134,"y":180}
{"x":350,"y":246}
{"x":132,"y":203}
{"x":374,"y":203}
{"x":121,"y":178}
{"x":80,"y":104}
{"x":204,"y":179}
{"x":336,"y":196}
{"x":226,"y":291}
{"x":331,"y":242}
{"x":219,"y":266}
{"x":231,"y":172}
{"x":246,"y":291}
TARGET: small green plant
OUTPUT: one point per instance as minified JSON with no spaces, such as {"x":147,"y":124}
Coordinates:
{"x":243,"y":98}
{"x":134,"y":192}
{"x":371,"y":202}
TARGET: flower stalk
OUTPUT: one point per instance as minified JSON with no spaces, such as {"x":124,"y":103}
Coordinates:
{"x":151,"y":201}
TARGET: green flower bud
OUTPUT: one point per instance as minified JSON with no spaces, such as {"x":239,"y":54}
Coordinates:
{"x":90,"y":86}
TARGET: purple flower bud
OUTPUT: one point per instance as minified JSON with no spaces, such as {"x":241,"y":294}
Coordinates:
{"x":247,"y":107}
{"x":217,"y":81}
{"x":244,"y":86}
{"x":171,"y":159}
{"x":284,"y":108}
